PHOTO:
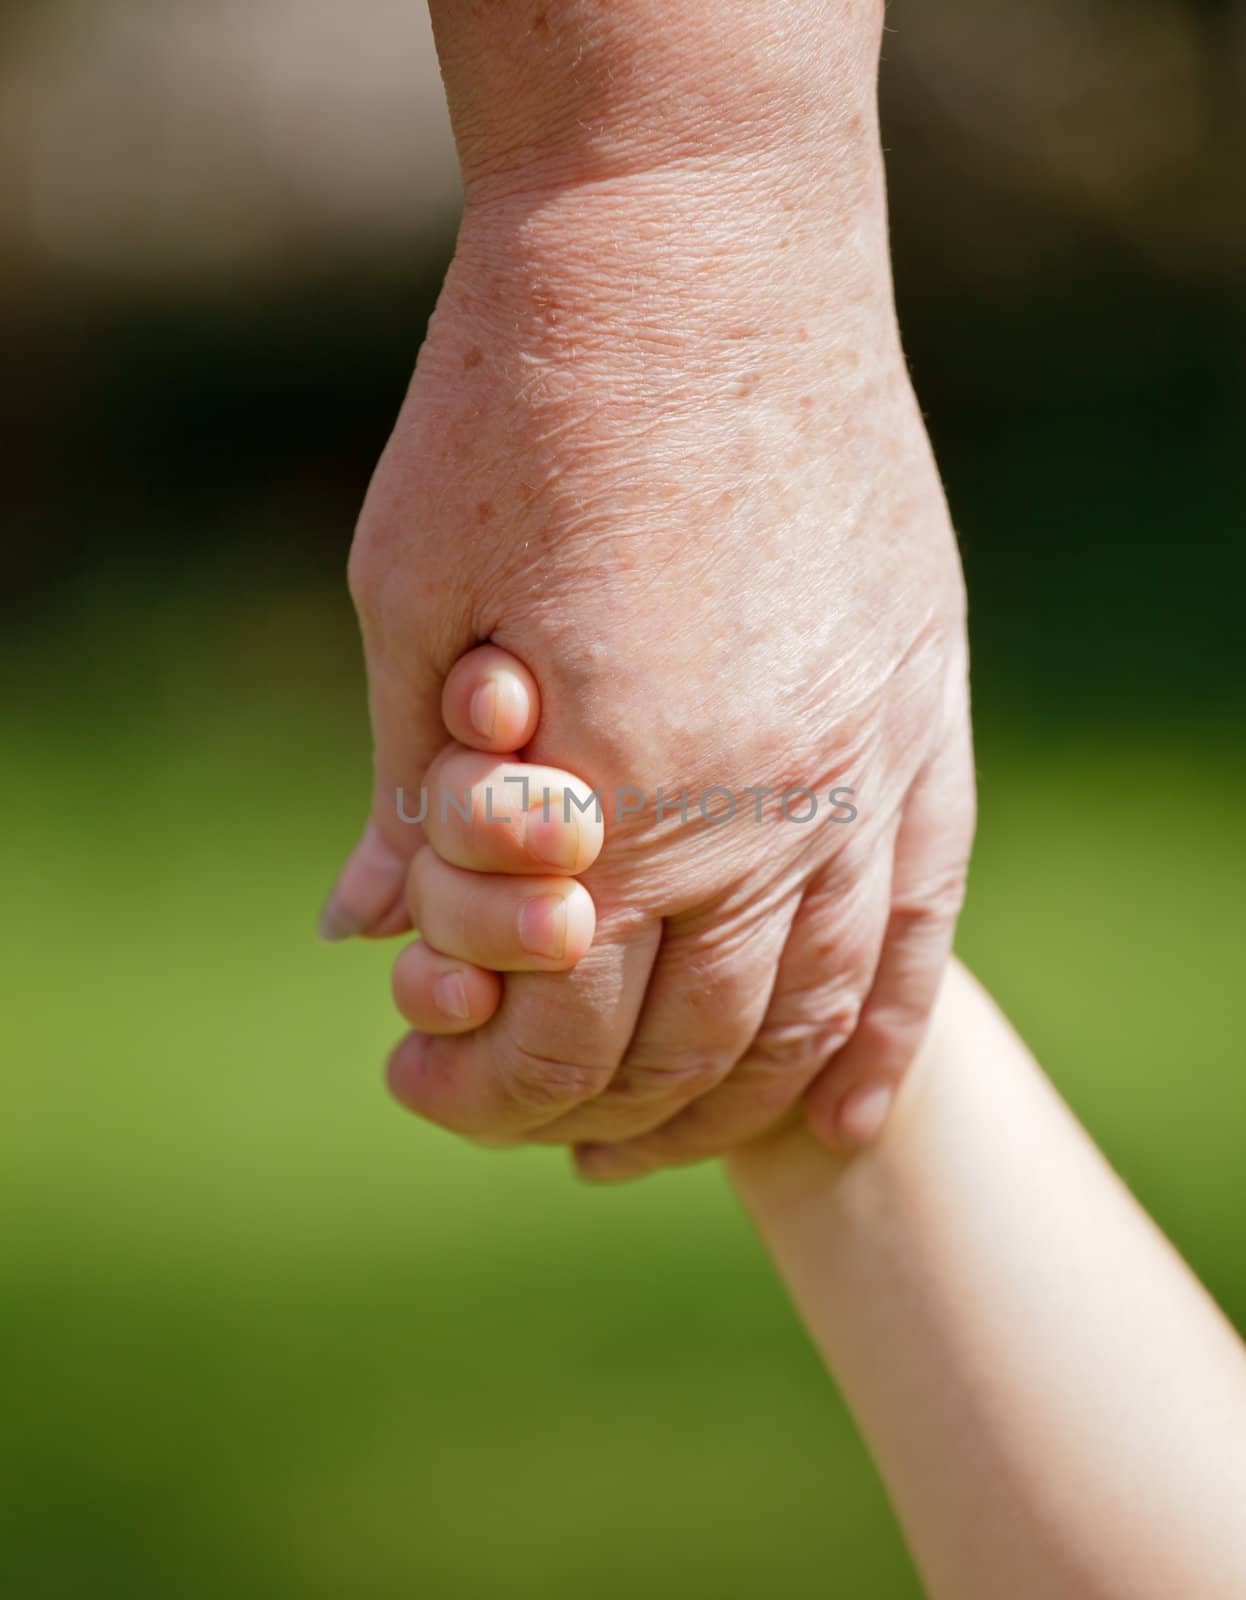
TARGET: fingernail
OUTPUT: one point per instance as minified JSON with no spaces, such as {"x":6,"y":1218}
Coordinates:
{"x":543,"y":926}
{"x":483,"y":710}
{"x":864,"y":1111}
{"x":554,"y":837}
{"x":451,"y":996}
{"x":336,"y":922}
{"x":368,"y":889}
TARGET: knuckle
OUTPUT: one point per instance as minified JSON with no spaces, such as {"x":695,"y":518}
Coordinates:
{"x":799,"y":1047}
{"x":543,"y":1085}
{"x":685,"y":1076}
{"x":936,"y":900}
{"x":722,"y":997}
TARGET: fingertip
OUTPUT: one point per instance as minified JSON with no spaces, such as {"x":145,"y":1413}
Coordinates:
{"x":555,"y":927}
{"x":847,"y":1121}
{"x":863,"y":1113}
{"x":490,"y":701}
{"x":368,"y":899}
{"x":565,"y":829}
{"x":552,"y":840}
{"x":581,"y":923}
{"x":336,"y":921}
{"x":438,"y":994}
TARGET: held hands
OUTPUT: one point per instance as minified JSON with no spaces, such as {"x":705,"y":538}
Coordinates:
{"x":661,"y":446}
{"x":493,"y":890}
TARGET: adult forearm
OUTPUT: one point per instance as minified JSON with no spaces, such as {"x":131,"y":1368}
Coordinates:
{"x":670,"y":207}
{"x":661,"y":444}
{"x":1054,"y":1402}
{"x":579,"y":89}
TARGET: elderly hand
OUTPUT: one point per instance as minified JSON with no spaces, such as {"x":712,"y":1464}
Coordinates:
{"x":661,"y":445}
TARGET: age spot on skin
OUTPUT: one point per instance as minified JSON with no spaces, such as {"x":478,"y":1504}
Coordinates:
{"x":473,"y":358}
{"x":540,"y":23}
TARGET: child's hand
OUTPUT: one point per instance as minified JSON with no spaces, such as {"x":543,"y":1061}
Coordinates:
{"x":491,"y":891}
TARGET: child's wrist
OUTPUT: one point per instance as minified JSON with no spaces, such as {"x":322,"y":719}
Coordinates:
{"x":790,"y":1167}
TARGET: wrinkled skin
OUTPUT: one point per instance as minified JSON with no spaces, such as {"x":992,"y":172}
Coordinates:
{"x":661,"y":445}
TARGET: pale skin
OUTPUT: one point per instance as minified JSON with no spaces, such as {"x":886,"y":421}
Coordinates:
{"x":1056,"y":1406}
{"x":661,"y":445}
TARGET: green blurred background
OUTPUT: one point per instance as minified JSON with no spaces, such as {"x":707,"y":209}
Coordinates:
{"x":267,"y":1336}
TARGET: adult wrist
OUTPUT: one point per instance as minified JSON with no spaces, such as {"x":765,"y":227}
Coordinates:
{"x":644,"y":177}
{"x":545,"y":93}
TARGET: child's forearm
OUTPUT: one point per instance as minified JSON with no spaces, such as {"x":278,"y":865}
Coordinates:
{"x":1057,"y":1407}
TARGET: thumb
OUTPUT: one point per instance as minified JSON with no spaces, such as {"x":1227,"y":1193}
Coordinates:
{"x":407,"y":732}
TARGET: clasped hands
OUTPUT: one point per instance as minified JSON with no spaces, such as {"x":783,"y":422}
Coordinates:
{"x":494,"y":889}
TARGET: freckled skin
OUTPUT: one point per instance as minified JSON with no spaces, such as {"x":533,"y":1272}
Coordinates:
{"x":690,"y":489}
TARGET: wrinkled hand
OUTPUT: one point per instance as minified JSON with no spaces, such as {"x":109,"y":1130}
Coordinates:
{"x":661,"y":445}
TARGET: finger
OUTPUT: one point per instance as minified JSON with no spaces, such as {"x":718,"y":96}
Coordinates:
{"x":404,"y":704}
{"x":488,"y":815}
{"x":705,"y":1002}
{"x":823,"y":977}
{"x":505,"y":924}
{"x":364,"y":901}
{"x":490,"y":701}
{"x":555,"y":1042}
{"x":437,"y":994}
{"x":849,"y":1102}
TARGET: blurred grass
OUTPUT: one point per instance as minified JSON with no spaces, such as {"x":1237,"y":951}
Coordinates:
{"x":268,"y":1336}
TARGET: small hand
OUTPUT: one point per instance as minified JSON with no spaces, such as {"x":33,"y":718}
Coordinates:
{"x":491,"y":890}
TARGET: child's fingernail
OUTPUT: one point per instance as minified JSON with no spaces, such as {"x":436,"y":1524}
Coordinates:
{"x":552,"y":834}
{"x":483,"y":709}
{"x":543,"y":926}
{"x":864,"y":1111}
{"x":451,"y":996}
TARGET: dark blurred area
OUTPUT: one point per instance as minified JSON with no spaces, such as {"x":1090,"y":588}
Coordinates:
{"x":268,"y":1336}
{"x":229,"y":222}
